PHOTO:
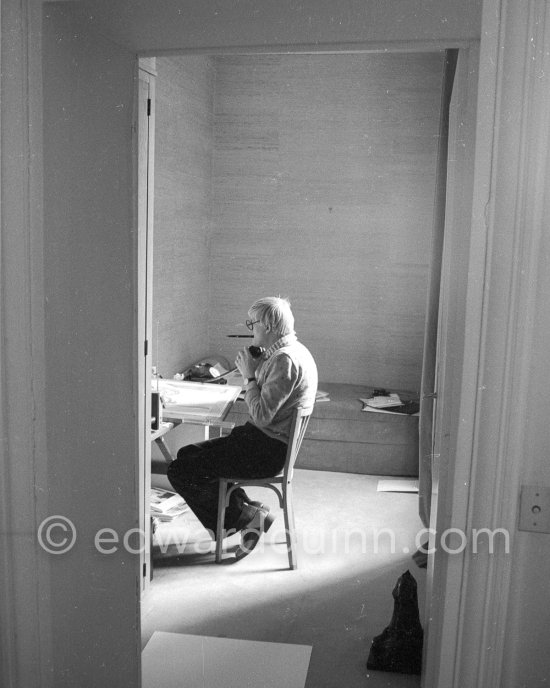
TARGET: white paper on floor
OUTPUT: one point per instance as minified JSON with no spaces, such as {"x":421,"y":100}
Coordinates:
{"x":397,"y":485}
{"x":177,"y":660}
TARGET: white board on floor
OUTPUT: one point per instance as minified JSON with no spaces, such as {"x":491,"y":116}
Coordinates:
{"x":177,"y":660}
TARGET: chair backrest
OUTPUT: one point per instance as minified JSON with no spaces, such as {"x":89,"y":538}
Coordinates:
{"x":298,"y":427}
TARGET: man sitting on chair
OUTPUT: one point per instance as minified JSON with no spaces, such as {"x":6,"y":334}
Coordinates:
{"x":282,"y":378}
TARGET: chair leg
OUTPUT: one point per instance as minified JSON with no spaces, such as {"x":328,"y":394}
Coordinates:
{"x":288,"y":511}
{"x":222,"y":492}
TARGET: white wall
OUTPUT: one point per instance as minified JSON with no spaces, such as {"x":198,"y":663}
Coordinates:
{"x":91,"y":346}
{"x":323,"y":191}
{"x":522,"y":210}
{"x":183,"y":202}
{"x":307,"y":176}
{"x":496,"y":607}
{"x":209,"y":24}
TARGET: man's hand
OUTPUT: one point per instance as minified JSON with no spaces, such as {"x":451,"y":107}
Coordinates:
{"x":246,"y":363}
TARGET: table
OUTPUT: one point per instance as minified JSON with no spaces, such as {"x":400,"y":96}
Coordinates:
{"x":157,"y":436}
{"x":196,"y":403}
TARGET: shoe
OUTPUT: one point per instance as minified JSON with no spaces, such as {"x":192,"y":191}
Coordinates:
{"x":261,"y":522}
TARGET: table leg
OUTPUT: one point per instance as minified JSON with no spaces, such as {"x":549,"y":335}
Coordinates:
{"x":161,"y":444}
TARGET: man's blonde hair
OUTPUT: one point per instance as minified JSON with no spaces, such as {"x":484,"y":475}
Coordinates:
{"x":273,"y":312}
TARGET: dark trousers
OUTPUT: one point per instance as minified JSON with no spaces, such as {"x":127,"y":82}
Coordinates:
{"x":245,"y":453}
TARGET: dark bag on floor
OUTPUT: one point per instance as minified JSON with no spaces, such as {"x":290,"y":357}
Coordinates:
{"x":399,"y":647}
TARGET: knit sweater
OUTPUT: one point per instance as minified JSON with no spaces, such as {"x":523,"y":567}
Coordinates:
{"x":285,"y":379}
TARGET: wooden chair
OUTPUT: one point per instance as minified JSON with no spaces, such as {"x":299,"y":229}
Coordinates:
{"x":281,"y":484}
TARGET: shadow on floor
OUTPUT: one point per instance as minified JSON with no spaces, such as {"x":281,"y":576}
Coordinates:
{"x":338,"y":599}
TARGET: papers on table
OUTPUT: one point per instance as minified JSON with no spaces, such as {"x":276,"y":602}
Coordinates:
{"x":196,"y":399}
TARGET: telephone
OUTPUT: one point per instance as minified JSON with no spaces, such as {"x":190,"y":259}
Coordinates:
{"x":256,"y":351}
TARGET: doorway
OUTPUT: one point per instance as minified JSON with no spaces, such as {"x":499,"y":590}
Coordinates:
{"x":226,"y":314}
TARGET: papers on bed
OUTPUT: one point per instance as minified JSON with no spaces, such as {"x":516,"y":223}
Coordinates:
{"x":380,"y":402}
{"x":390,"y":403}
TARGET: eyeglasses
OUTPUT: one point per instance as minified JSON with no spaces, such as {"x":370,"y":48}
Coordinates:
{"x":250,"y":323}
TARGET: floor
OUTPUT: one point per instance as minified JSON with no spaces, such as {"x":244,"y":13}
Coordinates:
{"x":354,"y":543}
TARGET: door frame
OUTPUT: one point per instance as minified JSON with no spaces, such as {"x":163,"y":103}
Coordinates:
{"x":479,"y":627}
{"x":481,"y":423}
{"x":464,"y":91}
{"x":456,"y":333}
{"x":145,"y":107}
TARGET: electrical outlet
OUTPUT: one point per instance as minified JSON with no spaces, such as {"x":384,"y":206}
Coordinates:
{"x":534,"y":509}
